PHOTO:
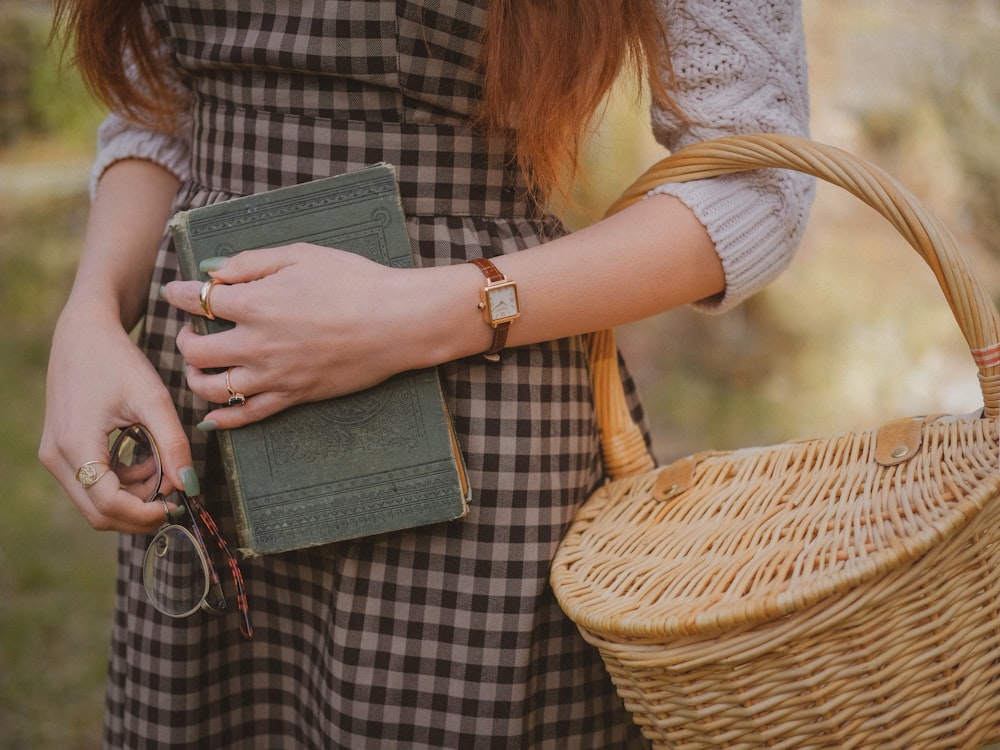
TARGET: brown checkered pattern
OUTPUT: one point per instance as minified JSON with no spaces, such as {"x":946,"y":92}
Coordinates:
{"x":441,"y":637}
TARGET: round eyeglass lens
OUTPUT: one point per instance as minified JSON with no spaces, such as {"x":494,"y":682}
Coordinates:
{"x":135,"y":461}
{"x":175,"y":572}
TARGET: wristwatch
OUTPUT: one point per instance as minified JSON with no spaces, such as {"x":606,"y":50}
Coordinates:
{"x":498,"y":301}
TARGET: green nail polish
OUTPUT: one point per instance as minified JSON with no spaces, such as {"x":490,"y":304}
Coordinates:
{"x":177,"y":513}
{"x":191,"y":485}
{"x":163,"y":291}
{"x":207,"y":426}
{"x":211,"y":264}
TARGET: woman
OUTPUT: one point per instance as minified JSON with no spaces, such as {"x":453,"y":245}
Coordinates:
{"x":445,"y":636}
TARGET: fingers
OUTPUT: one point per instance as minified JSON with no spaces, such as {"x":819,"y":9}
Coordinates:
{"x":99,"y":381}
{"x":238,"y":400}
{"x":250,"y":265}
{"x":210,"y":299}
{"x":220,"y":387}
{"x":95,"y":491}
{"x":255,"y":409}
{"x":175,"y":452}
{"x":77,"y":453}
{"x":84,"y":469}
{"x":239,"y":404}
{"x":107,"y":507}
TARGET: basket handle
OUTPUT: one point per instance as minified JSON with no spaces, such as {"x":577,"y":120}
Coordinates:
{"x":622,"y":445}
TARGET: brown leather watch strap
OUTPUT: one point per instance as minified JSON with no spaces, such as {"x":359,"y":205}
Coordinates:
{"x":489,"y":270}
{"x":499,"y":340}
{"x":493,"y":275}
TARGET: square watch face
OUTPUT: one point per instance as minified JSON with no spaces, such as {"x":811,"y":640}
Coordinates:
{"x":502,"y":302}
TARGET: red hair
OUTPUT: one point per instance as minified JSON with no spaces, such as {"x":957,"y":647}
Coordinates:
{"x":546,"y":64}
{"x":104,"y":36}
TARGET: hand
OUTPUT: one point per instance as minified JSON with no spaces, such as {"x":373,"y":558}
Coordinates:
{"x":311,"y":323}
{"x":98,"y":381}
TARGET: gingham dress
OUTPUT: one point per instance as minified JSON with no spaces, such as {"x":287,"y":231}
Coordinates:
{"x":446,"y":636}
{"x":441,"y":637}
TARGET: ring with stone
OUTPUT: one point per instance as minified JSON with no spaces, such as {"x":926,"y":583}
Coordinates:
{"x":88,"y":475}
{"x":235,"y":397}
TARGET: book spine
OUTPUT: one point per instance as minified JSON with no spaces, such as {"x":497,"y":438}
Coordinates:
{"x":240,"y":520}
{"x":188,"y":264}
{"x":187,"y":261}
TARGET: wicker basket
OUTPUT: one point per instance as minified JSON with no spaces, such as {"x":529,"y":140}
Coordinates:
{"x":837,"y":592}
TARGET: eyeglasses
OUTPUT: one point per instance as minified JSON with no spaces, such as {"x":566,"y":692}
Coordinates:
{"x":177,"y":570}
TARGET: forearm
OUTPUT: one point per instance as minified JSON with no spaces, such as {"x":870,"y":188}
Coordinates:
{"x":652,"y":257}
{"x":98,"y":379}
{"x":130,"y":209}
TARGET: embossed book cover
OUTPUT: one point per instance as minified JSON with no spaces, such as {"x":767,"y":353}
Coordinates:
{"x":381,"y":460}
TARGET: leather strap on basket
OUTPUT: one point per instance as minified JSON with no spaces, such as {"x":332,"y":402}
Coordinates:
{"x":624,"y":451}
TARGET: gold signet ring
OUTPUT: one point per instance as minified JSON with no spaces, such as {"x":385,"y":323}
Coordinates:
{"x":88,"y":476}
{"x":235,"y":397}
{"x":205,"y":297}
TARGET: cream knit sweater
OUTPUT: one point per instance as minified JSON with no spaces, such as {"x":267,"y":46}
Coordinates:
{"x":739,"y":67}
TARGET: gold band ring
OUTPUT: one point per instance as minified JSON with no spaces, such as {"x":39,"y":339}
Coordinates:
{"x":204,"y":297}
{"x":235,"y":397}
{"x":88,"y":476}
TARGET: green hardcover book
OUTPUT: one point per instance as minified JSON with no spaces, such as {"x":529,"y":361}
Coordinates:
{"x":380,"y":460}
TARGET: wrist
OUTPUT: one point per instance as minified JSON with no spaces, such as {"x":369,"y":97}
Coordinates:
{"x":447,"y":322}
{"x":97,"y":306}
{"x":498,"y":301}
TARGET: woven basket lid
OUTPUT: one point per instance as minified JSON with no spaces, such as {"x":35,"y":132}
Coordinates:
{"x":765,"y":532}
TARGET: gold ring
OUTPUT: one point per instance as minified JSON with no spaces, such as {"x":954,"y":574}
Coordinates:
{"x":88,"y":476}
{"x":235,"y":397}
{"x":204,"y":297}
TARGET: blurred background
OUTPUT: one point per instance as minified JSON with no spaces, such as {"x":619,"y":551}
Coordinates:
{"x":857,"y":332}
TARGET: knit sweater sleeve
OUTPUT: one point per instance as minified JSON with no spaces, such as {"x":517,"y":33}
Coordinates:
{"x":739,"y":67}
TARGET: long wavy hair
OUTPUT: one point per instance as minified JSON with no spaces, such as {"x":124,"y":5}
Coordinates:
{"x":547,"y":66}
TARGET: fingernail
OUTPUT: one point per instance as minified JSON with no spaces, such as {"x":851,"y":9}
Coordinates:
{"x":211,"y":264}
{"x":176,"y":513}
{"x":207,"y":426}
{"x":191,"y":485}
{"x":163,"y":291}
